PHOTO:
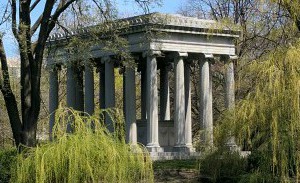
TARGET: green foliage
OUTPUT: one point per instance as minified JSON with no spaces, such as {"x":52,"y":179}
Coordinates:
{"x":86,"y":155}
{"x":267,"y":121}
{"x":176,"y":164}
{"x":222,"y":166}
{"x":7,"y":160}
{"x":291,"y":5}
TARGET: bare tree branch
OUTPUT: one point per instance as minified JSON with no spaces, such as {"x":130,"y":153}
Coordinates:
{"x":36,"y":25}
{"x":6,"y":15}
{"x":14,"y":19}
{"x":34,"y":5}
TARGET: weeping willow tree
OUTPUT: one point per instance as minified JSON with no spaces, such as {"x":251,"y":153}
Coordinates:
{"x":267,"y":121}
{"x":90,"y":154}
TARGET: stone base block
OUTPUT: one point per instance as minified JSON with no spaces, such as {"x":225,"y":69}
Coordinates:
{"x":159,"y":156}
{"x":231,"y":145}
{"x":155,"y":148}
{"x":184,"y":149}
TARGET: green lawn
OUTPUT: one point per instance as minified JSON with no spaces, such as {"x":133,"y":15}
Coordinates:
{"x":176,"y":164}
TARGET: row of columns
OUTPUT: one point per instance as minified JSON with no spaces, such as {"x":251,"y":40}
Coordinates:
{"x":149,"y":97}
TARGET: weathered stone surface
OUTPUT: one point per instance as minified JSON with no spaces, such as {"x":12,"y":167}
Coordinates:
{"x":109,"y":91}
{"x":184,"y":37}
{"x":152,"y":104}
{"x":130,"y":105}
{"x":206,"y":103}
{"x":53,"y":98}
{"x":89,"y":103}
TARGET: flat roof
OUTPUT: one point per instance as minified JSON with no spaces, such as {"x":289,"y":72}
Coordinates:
{"x":159,"y":22}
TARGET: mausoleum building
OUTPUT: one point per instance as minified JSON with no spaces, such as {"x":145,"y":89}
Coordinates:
{"x":180,"y":42}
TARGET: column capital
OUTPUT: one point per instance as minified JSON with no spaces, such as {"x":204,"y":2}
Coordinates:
{"x":152,"y":53}
{"x":89,"y":64}
{"x":227,"y":58}
{"x":233,"y":57}
{"x":210,"y":57}
{"x":106,"y":59}
{"x":181,"y":54}
{"x":178,"y":54}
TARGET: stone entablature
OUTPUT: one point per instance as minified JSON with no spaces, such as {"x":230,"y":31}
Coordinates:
{"x":177,"y":33}
{"x":160,"y":22}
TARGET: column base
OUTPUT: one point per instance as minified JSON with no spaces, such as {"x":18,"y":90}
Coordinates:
{"x":154,"y":148}
{"x":231,"y":145}
{"x":184,"y":148}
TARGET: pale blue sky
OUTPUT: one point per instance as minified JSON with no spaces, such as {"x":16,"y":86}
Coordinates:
{"x":125,"y":9}
{"x":167,"y":6}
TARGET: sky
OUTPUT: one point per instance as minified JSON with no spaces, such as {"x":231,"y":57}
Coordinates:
{"x":167,"y":6}
{"x":125,"y":9}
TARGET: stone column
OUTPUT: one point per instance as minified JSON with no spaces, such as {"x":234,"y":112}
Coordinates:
{"x":143,"y":93}
{"x":179,"y":114}
{"x":229,"y":82}
{"x":102,"y":86}
{"x":79,"y":94}
{"x":230,"y":92}
{"x":109,"y":90}
{"x":206,"y":112}
{"x":53,"y":97}
{"x":164,"y":93}
{"x":71,"y":87}
{"x":130,"y":105}
{"x":89,"y":89}
{"x":152,"y":103}
{"x":188,"y":106}
{"x":71,"y":92}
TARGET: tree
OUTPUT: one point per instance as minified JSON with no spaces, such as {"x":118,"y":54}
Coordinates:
{"x":264,"y":25}
{"x":293,"y":8}
{"x":24,"y":121}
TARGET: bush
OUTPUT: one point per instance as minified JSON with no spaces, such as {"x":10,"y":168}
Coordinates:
{"x":7,"y":159}
{"x":86,"y":155}
{"x":223,"y":166}
{"x":267,"y":121}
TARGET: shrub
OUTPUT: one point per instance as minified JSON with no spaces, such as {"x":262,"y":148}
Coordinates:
{"x":86,"y":155}
{"x":7,"y":160}
{"x":267,"y":121}
{"x":222,"y":166}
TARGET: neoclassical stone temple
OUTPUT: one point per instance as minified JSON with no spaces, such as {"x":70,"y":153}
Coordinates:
{"x":184,"y":40}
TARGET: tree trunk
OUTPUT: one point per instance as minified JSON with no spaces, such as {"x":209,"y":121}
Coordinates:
{"x":9,"y":98}
{"x":13,"y":114}
{"x":29,"y":136}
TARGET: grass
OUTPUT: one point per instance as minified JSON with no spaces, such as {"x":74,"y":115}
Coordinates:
{"x":176,"y":164}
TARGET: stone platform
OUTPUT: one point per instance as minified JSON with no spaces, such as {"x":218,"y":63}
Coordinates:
{"x":158,"y":156}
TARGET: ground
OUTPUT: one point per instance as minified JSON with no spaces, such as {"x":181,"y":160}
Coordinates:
{"x":176,"y":176}
{"x":176,"y":171}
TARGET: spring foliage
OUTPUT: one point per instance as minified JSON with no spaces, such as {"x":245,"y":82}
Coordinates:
{"x":89,"y":154}
{"x":267,"y":121}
